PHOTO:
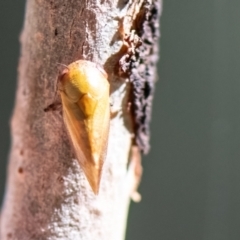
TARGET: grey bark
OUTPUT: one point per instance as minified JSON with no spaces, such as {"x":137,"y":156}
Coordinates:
{"x":47,"y":194}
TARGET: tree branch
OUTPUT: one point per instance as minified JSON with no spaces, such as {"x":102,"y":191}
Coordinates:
{"x":48,"y":196}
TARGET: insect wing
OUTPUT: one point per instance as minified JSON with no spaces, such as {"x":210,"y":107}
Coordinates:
{"x":89,"y":136}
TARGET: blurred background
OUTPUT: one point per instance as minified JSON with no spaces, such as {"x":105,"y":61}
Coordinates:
{"x":191,"y":179}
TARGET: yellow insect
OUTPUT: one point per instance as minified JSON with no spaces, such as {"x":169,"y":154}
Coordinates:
{"x":84,"y":91}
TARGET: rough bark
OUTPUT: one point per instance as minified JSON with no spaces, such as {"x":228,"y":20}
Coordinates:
{"x":47,"y":194}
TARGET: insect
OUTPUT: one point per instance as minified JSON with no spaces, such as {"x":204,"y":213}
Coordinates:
{"x":84,"y":91}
